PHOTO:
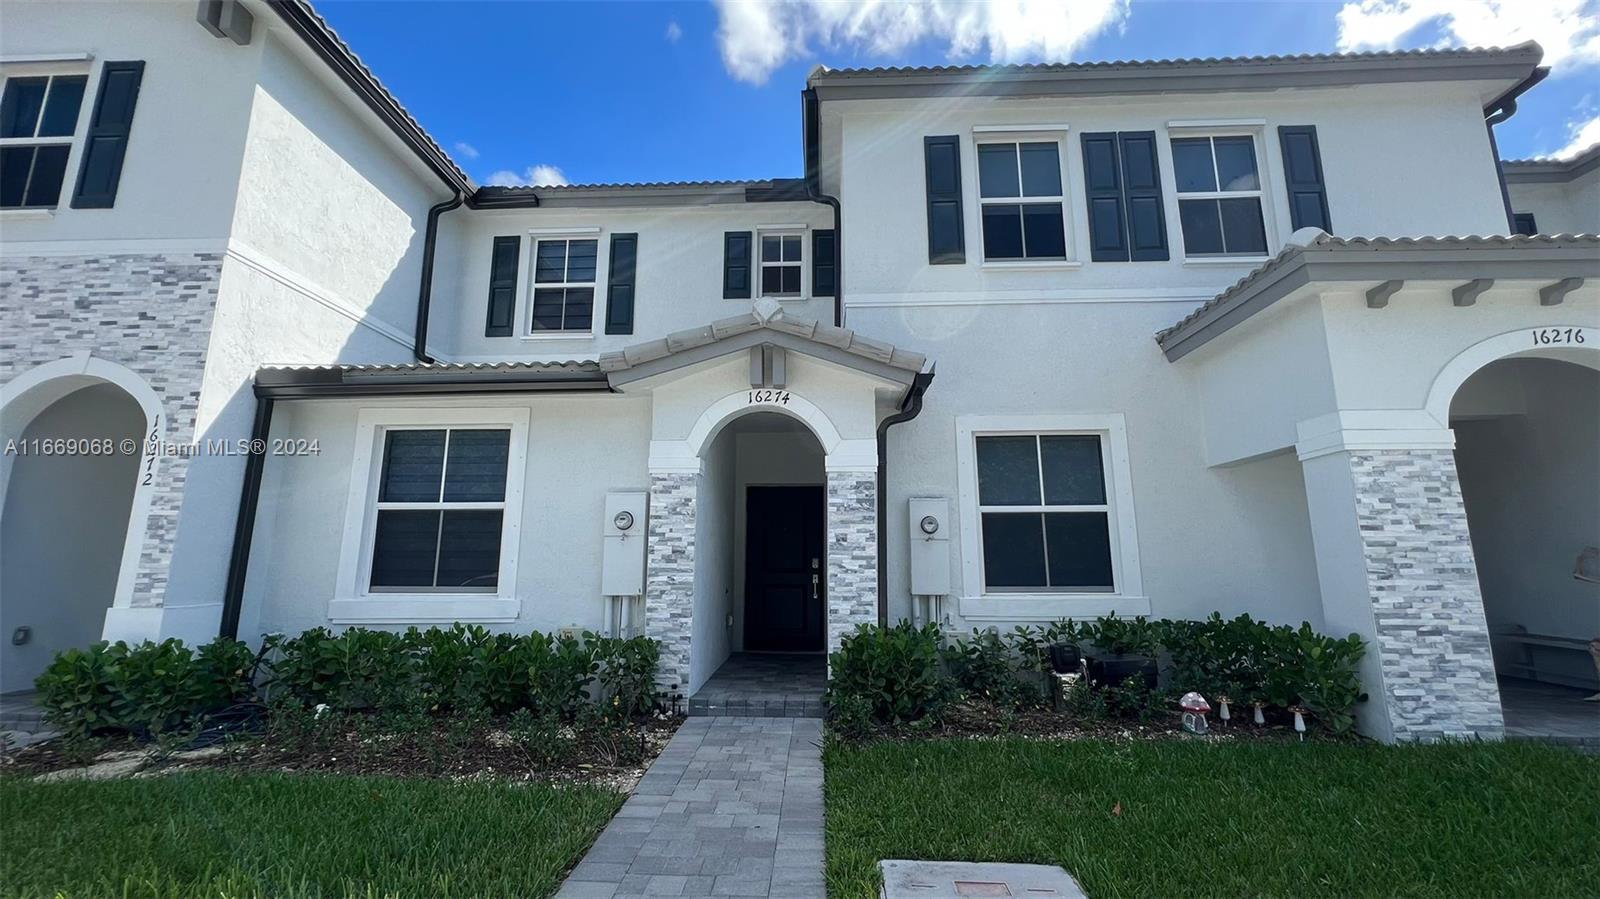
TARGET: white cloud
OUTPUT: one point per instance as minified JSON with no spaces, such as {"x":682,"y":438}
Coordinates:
{"x":674,"y":32}
{"x":532,"y":176}
{"x":758,"y":36}
{"x":466,"y":150}
{"x":1580,"y":136}
{"x":1568,"y":30}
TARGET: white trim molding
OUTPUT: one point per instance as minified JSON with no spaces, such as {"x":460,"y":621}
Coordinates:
{"x":353,"y":602}
{"x":1127,"y":599}
{"x":1373,"y":429}
{"x":1512,"y":344}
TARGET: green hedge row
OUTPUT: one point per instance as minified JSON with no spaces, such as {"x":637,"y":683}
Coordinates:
{"x":156,"y":688}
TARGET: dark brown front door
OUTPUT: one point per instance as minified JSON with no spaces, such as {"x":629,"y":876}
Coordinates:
{"x":784,"y":576}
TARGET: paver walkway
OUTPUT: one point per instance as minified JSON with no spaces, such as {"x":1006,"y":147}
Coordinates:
{"x":732,"y":807}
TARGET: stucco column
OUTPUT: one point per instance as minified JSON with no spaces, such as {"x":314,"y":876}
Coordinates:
{"x":852,"y":551}
{"x":669,"y":572}
{"x":1395,"y":565}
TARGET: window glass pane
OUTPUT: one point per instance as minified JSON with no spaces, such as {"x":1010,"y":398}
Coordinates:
{"x":15,"y":162}
{"x":1072,"y":472}
{"x":476,"y":469}
{"x":1202,"y":230}
{"x":404,"y":548}
{"x":580,"y":260}
{"x":49,"y":164}
{"x":771,"y":249}
{"x":791,"y":279}
{"x":550,"y":262}
{"x":1013,"y":550}
{"x":1041,"y":170}
{"x":1079,"y":550}
{"x":1044,"y":230}
{"x":997,"y":170}
{"x":580,"y":309}
{"x":1242,"y":230}
{"x":61,"y":111}
{"x":20,"y":106}
{"x":413,"y":462}
{"x":469,"y":550}
{"x":548,"y":304}
{"x":772,"y":279}
{"x":1002,"y":231}
{"x":1008,"y":471}
{"x":1191,"y":162}
{"x":1236,"y":163}
{"x":791,"y":248}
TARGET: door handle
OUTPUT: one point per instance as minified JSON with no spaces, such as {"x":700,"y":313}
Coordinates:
{"x":814,"y":580}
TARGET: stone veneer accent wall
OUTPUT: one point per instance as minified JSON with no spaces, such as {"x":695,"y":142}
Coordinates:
{"x":1432,"y":638}
{"x":150,"y":313}
{"x":669,"y":572}
{"x":852,"y":542}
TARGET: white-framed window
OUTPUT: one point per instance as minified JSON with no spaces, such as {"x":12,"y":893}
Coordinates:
{"x":1047,"y":515}
{"x":563,"y":284}
{"x":433,"y":516}
{"x":1022,"y":199}
{"x":39,"y":114}
{"x":782,"y":264}
{"x":1220,"y":207}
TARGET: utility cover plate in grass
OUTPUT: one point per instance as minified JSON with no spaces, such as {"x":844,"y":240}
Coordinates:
{"x":959,"y":880}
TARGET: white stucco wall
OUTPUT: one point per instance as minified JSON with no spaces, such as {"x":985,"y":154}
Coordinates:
{"x":679,"y":275}
{"x":713,"y":562}
{"x":1560,"y":207}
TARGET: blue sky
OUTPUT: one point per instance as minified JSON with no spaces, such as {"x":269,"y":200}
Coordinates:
{"x":658,"y":91}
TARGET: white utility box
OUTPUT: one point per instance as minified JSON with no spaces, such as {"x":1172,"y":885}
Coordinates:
{"x":930,"y":545}
{"x":622,"y":559}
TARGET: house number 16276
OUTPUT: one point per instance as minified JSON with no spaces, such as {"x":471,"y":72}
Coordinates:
{"x":1557,"y":336}
{"x":769,"y":397}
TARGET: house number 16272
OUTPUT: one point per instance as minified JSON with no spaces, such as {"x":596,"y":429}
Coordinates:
{"x":1557,"y":336}
{"x":769,"y":397}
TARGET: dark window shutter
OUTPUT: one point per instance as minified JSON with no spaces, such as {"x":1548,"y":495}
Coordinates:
{"x":824,"y":267}
{"x":1141,"y":194}
{"x":107,"y":142}
{"x":503,"y":286}
{"x":619,"y":283}
{"x":1102,"y":177}
{"x":947,"y":242}
{"x":1524,"y":223}
{"x":1302,"y":170}
{"x":736,"y":246}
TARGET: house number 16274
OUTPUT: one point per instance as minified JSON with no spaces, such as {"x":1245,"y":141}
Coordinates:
{"x":1557,"y":336}
{"x":769,"y":397}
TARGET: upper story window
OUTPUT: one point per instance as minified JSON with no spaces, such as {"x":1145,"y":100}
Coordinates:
{"x":38,"y":116}
{"x":563,"y":284}
{"x":1219,"y":196}
{"x":781,"y":265}
{"x":1525,"y":224}
{"x":440,"y":510}
{"x":1019,"y":189}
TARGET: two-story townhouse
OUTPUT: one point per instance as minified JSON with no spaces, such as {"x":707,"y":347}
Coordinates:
{"x":1023,"y":343}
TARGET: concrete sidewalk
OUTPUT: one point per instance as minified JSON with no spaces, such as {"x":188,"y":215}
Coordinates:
{"x":732,"y":807}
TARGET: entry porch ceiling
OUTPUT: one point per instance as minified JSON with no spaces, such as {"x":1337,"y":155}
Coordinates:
{"x":766,"y":324}
{"x":1554,"y":265}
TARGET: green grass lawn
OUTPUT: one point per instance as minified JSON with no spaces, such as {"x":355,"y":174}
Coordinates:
{"x":1240,"y":819}
{"x":217,"y":835}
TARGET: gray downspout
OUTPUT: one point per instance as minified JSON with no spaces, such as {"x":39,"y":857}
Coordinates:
{"x":430,"y":238}
{"x":909,"y":409}
{"x":1502,"y":108}
{"x":810,"y":109}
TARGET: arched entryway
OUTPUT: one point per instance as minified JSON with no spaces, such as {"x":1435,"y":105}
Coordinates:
{"x":1527,"y":433}
{"x":70,"y":488}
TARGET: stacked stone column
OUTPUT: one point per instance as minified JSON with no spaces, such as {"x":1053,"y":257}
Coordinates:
{"x":852,"y":542}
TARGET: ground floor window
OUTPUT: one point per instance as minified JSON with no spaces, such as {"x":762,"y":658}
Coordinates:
{"x":440,"y":510}
{"x":1046,"y":509}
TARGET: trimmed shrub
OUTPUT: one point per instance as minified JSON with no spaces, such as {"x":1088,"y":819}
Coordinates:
{"x":148,"y":689}
{"x":892,"y":674}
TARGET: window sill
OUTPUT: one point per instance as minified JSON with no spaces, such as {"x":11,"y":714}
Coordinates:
{"x":1227,"y":260}
{"x":412,"y":608}
{"x":560,"y":335}
{"x":1025,"y":265}
{"x":30,"y":213}
{"x":1050,"y":606}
